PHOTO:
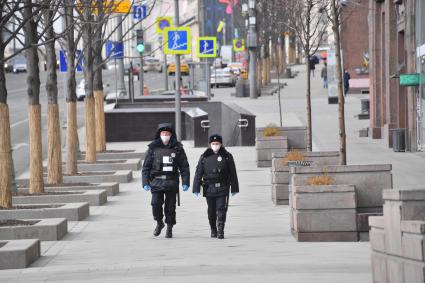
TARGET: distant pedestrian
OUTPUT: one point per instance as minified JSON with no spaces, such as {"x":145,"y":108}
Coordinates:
{"x":165,"y":160}
{"x":216,"y":173}
{"x":346,"y":82}
{"x":324,"y":75}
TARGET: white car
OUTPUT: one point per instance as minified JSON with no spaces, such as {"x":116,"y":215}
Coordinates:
{"x":152,"y":64}
{"x":19,"y":65}
{"x":222,"y":77}
{"x":81,"y":91}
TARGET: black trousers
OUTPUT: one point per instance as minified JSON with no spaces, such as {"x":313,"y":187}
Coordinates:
{"x":169,"y":199}
{"x":216,"y":209}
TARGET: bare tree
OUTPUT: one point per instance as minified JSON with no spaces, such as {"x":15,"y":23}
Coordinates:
{"x":309,"y":23}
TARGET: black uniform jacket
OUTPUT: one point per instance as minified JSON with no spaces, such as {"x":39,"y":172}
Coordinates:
{"x":153,"y":171}
{"x":216,"y":173}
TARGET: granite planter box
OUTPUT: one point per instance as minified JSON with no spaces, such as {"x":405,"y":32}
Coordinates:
{"x":280,"y":172}
{"x":290,"y":138}
{"x":266,"y":146}
{"x":19,"y":253}
{"x":398,"y":238}
{"x":324,"y":213}
{"x":52,"y":229}
{"x":70,"y":211}
{"x":93,"y":197}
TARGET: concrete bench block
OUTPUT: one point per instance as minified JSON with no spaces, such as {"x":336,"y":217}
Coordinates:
{"x":379,"y":268}
{"x":134,"y":164}
{"x":363,"y":220}
{"x":111,"y":189}
{"x":52,"y":229}
{"x":70,"y":211}
{"x":123,"y":176}
{"x":266,"y":154}
{"x":324,"y":197}
{"x":326,"y":236}
{"x":336,"y":220}
{"x":369,"y":180}
{"x":377,"y":239}
{"x":18,"y":253}
{"x":93,"y":197}
{"x":264,"y":163}
{"x":280,"y":194}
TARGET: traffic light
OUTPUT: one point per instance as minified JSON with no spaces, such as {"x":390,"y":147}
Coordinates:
{"x":140,"y":45}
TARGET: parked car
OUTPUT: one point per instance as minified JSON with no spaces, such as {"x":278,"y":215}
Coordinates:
{"x":81,"y":91}
{"x":222,"y":77}
{"x":152,"y":64}
{"x":8,"y":66}
{"x":19,"y":65}
{"x":184,"y":69}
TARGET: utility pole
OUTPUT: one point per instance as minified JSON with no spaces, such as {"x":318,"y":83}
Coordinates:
{"x":121,"y":85}
{"x":252,"y":45}
{"x":177,"y":73}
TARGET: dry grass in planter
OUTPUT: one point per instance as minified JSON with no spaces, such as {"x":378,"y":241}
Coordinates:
{"x":271,"y":131}
{"x":294,"y":155}
{"x":322,"y":180}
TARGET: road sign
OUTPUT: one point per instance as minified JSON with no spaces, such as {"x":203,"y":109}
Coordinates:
{"x":177,"y":40}
{"x":114,"y":49}
{"x":409,"y":79}
{"x":207,"y":47}
{"x":120,"y":7}
{"x":63,"y":64}
{"x":163,"y":23}
{"x":238,"y":45}
{"x":139,"y":12}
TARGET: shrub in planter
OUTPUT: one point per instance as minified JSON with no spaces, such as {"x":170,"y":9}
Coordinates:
{"x":271,"y":131}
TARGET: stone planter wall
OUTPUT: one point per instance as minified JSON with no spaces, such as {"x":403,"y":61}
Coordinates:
{"x":369,"y":182}
{"x":280,"y":172}
{"x":266,"y":146}
{"x":398,"y":238}
{"x":296,"y":139}
{"x":324,"y":213}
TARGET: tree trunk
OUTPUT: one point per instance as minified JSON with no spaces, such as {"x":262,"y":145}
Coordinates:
{"x":54,"y":157}
{"x":34,"y":108}
{"x":71,"y":138}
{"x":36,"y":157}
{"x":5,"y":157}
{"x":71,"y":96}
{"x":308,"y":98}
{"x":100,"y":121}
{"x":341,"y":98}
{"x":90,"y":130}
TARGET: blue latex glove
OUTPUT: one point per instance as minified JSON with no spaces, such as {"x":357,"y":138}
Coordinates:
{"x":185,"y":188}
{"x":233,"y":194}
{"x":147,"y":188}
{"x":196,"y":194}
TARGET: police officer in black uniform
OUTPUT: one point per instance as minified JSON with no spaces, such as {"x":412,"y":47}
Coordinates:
{"x":216,"y":173}
{"x":164,"y":161}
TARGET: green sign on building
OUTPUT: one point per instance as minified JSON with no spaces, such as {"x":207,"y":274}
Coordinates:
{"x":409,"y":79}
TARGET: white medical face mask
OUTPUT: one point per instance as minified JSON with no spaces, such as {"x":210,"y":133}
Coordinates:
{"x":215,"y":147}
{"x":165,"y":139}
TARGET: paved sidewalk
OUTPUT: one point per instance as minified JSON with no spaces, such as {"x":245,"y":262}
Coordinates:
{"x":115,"y":244}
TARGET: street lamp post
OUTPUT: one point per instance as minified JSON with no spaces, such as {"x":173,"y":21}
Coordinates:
{"x":252,"y":46}
{"x":177,"y":74}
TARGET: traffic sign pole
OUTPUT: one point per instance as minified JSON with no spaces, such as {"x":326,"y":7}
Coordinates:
{"x":177,"y":74}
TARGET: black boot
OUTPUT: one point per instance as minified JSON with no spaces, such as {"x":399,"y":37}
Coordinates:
{"x":169,"y":233}
{"x":213,"y":230}
{"x":159,"y":226}
{"x":220,"y":232}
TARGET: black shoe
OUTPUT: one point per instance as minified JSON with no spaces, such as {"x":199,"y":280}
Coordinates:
{"x":213,"y":231}
{"x":220,"y":232}
{"x":159,"y":226}
{"x":169,"y":233}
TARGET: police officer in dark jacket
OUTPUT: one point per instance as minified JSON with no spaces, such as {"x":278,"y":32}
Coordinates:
{"x":165,"y":160}
{"x":216,"y":173}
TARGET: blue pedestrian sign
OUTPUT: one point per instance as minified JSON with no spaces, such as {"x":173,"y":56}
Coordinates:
{"x":114,"y":49}
{"x":63,"y":64}
{"x":207,"y":47}
{"x":177,"y":40}
{"x":139,"y":12}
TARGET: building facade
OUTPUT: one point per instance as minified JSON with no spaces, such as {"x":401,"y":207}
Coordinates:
{"x":392,"y":51}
